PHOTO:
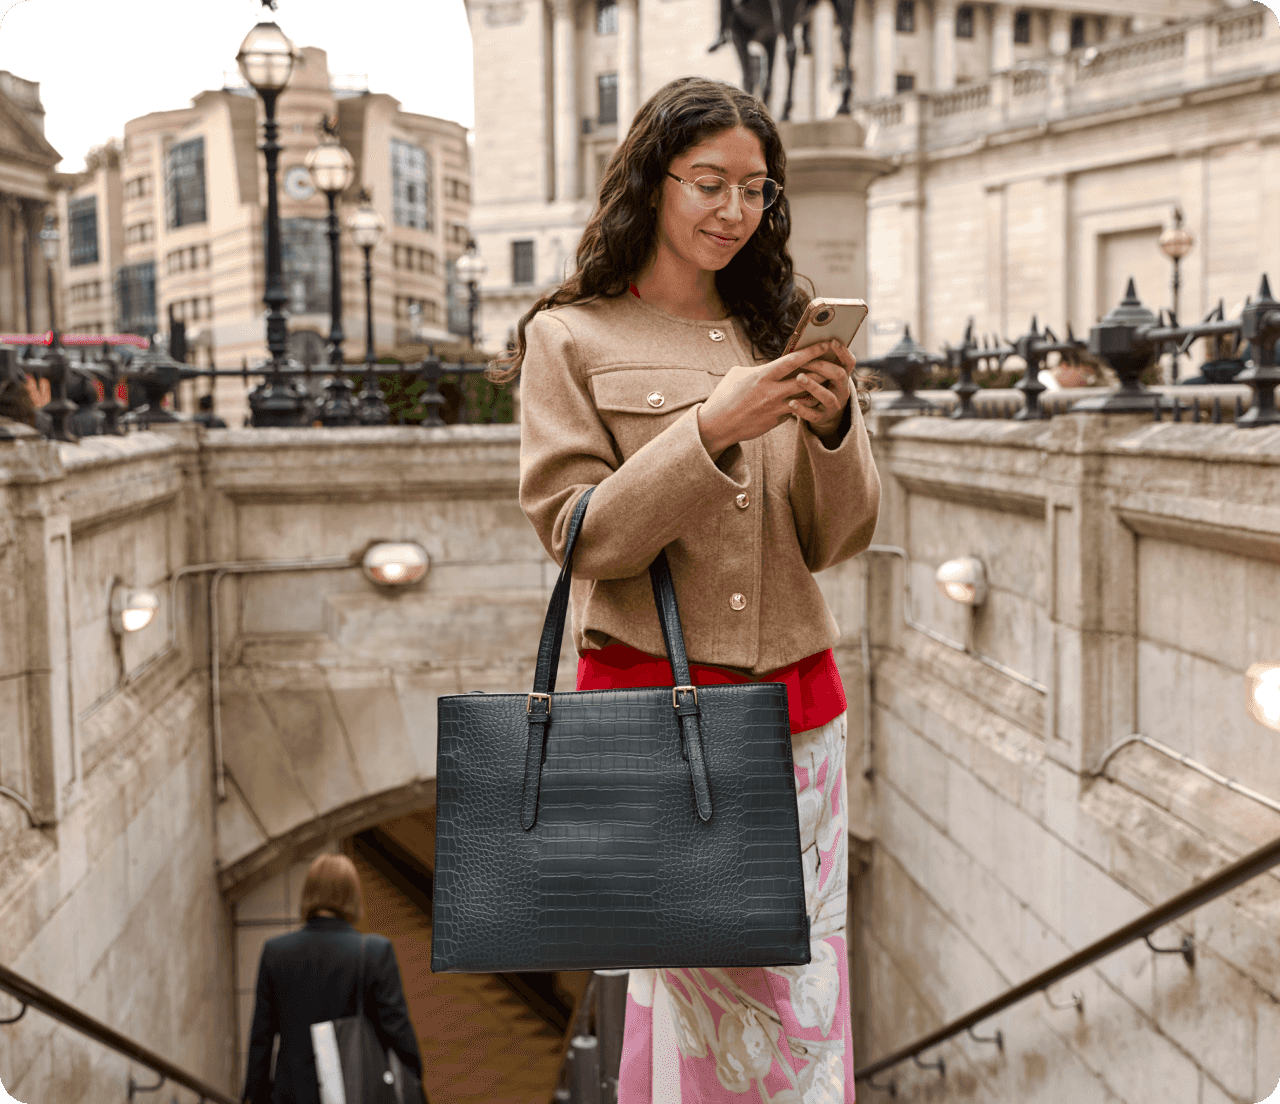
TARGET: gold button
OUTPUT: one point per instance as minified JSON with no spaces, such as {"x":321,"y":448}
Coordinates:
{"x":738,"y":601}
{"x":656,"y":399}
{"x":716,"y":335}
{"x":742,"y":502}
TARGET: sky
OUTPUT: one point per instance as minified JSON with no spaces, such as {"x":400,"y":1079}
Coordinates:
{"x":103,"y":62}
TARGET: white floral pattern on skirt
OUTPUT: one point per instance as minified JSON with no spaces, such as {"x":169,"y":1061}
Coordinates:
{"x":778,"y":1035}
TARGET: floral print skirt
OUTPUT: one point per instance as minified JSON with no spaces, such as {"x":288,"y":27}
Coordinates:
{"x":773,"y":1035}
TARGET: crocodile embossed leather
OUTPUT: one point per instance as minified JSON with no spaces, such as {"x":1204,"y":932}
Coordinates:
{"x":606,"y":829}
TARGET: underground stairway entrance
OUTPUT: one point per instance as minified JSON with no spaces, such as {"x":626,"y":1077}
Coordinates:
{"x":496,"y":1038}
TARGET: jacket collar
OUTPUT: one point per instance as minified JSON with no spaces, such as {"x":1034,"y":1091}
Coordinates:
{"x":328,"y":923}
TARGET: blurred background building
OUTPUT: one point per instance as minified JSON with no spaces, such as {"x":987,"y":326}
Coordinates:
{"x":169,"y":226}
{"x":969,"y":71}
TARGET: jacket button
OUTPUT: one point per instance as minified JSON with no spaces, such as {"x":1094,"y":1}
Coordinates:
{"x":742,"y":502}
{"x":656,"y":399}
{"x":716,"y":335}
{"x":738,"y":601}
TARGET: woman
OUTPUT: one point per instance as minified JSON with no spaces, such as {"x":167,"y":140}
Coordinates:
{"x":655,"y":374}
{"x":310,"y":976}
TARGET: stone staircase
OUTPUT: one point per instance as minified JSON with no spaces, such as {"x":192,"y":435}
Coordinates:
{"x":479,"y":1042}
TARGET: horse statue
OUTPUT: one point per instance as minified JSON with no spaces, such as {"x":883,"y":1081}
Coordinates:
{"x":765,"y":21}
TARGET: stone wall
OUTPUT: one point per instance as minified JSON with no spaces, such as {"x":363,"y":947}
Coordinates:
{"x":113,"y":904}
{"x":1134,"y":570}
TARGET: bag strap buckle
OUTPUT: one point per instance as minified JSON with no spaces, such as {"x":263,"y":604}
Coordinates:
{"x":543,"y":697}
{"x":676,"y":690}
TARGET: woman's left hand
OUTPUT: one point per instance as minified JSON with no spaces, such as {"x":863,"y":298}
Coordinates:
{"x":829,"y":387}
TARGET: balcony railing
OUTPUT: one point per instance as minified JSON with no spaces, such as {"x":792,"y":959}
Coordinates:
{"x":1183,"y":56}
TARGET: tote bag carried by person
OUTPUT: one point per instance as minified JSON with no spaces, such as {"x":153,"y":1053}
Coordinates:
{"x":616,"y":829}
{"x":352,"y":1067}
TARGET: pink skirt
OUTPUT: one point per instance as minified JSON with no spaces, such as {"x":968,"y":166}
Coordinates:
{"x":777,"y":1035}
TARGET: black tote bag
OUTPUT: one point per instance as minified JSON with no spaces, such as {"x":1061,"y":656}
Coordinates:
{"x":364,"y":1072}
{"x":616,"y":829}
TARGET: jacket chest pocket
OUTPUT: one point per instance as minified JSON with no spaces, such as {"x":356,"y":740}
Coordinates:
{"x":637,"y":404}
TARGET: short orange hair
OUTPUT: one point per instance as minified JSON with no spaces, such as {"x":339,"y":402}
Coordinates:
{"x":332,"y":883}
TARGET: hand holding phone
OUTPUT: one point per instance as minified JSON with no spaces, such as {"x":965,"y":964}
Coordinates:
{"x":827,"y":320}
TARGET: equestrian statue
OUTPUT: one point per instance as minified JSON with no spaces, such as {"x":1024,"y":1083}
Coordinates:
{"x":765,"y":21}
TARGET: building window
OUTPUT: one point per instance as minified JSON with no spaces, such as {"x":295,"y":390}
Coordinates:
{"x":906,"y":82}
{"x":138,"y":187}
{"x":1077,"y":32}
{"x":906,"y":17}
{"x":411,"y":185}
{"x":606,"y":17}
{"x":607,"y":92}
{"x":186,"y":183}
{"x":135,"y":290}
{"x":82,"y":214}
{"x":1022,"y":28}
{"x":522,"y":262}
{"x":457,"y":189}
{"x":139,"y":232}
{"x":304,"y":261}
{"x":964,"y":21}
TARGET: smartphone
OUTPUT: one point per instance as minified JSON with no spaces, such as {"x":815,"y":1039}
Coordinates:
{"x":827,"y":319}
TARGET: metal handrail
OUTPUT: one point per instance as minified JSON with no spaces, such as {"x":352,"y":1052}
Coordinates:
{"x":31,"y":995}
{"x":1234,"y":874}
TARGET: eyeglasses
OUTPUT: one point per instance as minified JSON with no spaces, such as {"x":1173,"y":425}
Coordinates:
{"x":712,"y":191}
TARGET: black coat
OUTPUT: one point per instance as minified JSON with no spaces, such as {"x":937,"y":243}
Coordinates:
{"x":309,"y":976}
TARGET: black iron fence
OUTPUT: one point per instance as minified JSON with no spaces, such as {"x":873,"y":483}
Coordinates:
{"x":1128,"y":342}
{"x":109,"y":390}
{"x":83,"y":396}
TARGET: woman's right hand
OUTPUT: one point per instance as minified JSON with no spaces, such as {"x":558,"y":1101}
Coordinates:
{"x":749,"y":402}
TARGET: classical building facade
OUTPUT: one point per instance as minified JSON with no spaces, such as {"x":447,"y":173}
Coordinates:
{"x":27,"y":186}
{"x":1043,"y":190}
{"x":171,"y":224}
{"x":584,"y":67}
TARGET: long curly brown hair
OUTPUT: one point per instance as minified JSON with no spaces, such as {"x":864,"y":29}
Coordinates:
{"x":758,"y":286}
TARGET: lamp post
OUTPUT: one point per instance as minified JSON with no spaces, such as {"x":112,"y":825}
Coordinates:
{"x":266,"y":59}
{"x":470,"y":268}
{"x":331,"y":170}
{"x":1175,"y":243}
{"x":59,"y":407}
{"x":366,"y":227}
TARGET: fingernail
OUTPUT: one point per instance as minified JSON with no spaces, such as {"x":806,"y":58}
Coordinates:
{"x":794,"y":405}
{"x":801,"y":377}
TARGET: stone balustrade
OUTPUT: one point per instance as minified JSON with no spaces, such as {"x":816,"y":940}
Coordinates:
{"x":1225,"y":47}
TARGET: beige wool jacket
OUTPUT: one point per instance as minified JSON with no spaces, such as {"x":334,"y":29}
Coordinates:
{"x":609,"y":398}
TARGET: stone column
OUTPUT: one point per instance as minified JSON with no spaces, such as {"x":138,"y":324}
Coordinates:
{"x":864,"y":54}
{"x":828,"y":173}
{"x":1059,"y":32}
{"x":627,"y":68}
{"x":564,"y":58}
{"x":826,"y":56}
{"x":944,"y":45}
{"x":1001,"y":38}
{"x":886,"y":48}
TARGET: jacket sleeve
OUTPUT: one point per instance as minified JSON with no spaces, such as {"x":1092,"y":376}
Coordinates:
{"x":262,"y":1034}
{"x":835,"y":493}
{"x":395,"y":1029}
{"x":640,"y":506}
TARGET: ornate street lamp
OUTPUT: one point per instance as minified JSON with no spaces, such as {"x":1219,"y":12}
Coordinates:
{"x":470,"y":269}
{"x":366,"y":227}
{"x":1175,"y":243}
{"x":266,"y":59}
{"x":332,"y":169}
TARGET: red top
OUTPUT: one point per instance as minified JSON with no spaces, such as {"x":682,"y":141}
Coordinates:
{"x":815,"y":694}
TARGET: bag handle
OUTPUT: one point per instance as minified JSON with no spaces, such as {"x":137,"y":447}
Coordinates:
{"x":684,"y":696}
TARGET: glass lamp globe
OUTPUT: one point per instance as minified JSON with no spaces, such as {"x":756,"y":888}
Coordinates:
{"x":49,"y":238}
{"x":1176,"y":243}
{"x":366,"y":226}
{"x":470,"y":268}
{"x":266,"y":58}
{"x":331,"y":167}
